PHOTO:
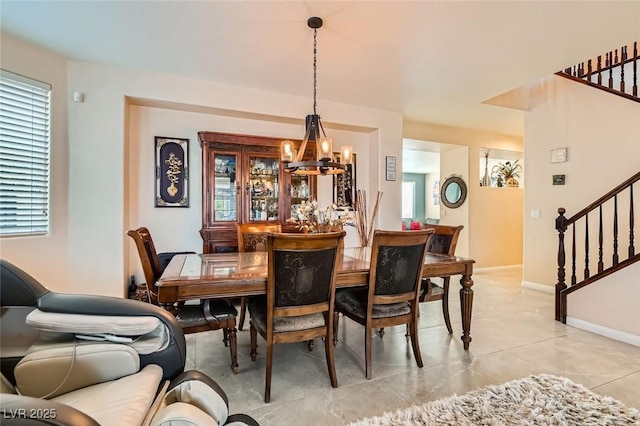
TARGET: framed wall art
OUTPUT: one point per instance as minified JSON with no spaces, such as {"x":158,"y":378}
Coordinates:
{"x":391,"y":168}
{"x":344,"y":185}
{"x":172,"y":172}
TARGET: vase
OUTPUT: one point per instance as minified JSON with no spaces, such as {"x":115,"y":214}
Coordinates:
{"x":512,"y":183}
{"x":486,"y":180}
{"x":326,"y":227}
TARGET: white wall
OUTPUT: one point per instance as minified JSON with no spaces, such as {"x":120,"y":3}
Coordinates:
{"x":602,"y":133}
{"x":45,"y":257}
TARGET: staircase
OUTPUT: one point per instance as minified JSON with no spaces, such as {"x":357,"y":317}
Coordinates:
{"x":607,"y":217}
{"x":615,"y":72}
{"x":595,"y":230}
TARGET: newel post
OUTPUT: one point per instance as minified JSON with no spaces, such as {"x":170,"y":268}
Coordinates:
{"x":561,"y":227}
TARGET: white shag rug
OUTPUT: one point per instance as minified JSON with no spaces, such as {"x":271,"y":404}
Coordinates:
{"x":536,"y":400}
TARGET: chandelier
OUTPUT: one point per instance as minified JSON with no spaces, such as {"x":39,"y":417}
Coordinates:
{"x":324,"y":164}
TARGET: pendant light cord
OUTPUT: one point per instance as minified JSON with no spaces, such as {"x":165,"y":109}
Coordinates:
{"x":319,"y":126}
{"x":315,"y":68}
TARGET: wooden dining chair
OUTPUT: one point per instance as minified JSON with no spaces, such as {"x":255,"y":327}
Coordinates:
{"x":252,"y":237}
{"x":391,"y":297}
{"x":300,"y":296}
{"x":210,"y":314}
{"x":444,"y":241}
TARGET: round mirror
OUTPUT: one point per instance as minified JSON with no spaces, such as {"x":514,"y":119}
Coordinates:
{"x":453,"y":192}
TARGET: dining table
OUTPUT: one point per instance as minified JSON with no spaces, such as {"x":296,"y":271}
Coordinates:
{"x":226,"y":275}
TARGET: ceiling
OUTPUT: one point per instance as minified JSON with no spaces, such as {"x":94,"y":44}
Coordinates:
{"x":433,"y":61}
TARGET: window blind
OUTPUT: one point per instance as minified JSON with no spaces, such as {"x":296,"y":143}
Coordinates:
{"x":24,"y":155}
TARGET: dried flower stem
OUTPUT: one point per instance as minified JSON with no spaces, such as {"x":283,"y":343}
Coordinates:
{"x":363,"y":226}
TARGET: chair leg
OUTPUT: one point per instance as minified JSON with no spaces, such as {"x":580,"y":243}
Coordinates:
{"x":415,"y":344}
{"x":331,"y":365}
{"x":424,"y":289}
{"x":254,"y":342}
{"x":233,"y":347}
{"x":367,"y":353}
{"x":336,"y":319}
{"x":243,"y":312}
{"x":267,"y":380}
{"x":445,"y":305}
{"x":225,"y":336}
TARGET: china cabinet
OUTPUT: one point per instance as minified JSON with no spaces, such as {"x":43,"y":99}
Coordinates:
{"x":243,"y":182}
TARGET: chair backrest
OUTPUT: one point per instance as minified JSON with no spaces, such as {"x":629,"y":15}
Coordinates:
{"x":444,"y":240}
{"x":253,"y":236}
{"x":397,"y":259}
{"x":301,"y":274}
{"x":18,"y":288}
{"x":148,"y":258}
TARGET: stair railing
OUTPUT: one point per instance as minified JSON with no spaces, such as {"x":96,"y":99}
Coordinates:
{"x":610,"y":72}
{"x":595,"y":209}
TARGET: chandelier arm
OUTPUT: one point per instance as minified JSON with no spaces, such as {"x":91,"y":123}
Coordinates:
{"x":321,"y":128}
{"x":303,"y":146}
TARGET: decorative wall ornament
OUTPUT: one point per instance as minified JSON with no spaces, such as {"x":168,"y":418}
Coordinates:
{"x":453,"y":192}
{"x":391,"y":168}
{"x":558,"y":155}
{"x":344,"y":185}
{"x":172,"y":172}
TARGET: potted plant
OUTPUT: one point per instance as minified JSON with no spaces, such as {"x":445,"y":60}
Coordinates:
{"x":506,"y":173}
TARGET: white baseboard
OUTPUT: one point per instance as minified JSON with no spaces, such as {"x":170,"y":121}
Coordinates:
{"x":497,"y":268}
{"x":539,"y":287}
{"x":621,"y":336}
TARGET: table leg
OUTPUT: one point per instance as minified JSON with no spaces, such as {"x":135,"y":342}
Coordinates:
{"x":466,"y":303}
{"x":233,"y":347}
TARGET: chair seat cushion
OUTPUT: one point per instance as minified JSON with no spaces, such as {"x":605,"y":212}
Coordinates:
{"x":436,"y":290}
{"x":120,"y":402}
{"x":258,"y":312}
{"x":355,"y":302}
{"x":193,"y":315}
{"x":430,"y":291}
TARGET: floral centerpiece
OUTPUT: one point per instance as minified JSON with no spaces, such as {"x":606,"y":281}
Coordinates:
{"x":313,"y":219}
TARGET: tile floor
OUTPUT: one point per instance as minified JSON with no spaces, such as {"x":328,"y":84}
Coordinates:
{"x":514,"y":335}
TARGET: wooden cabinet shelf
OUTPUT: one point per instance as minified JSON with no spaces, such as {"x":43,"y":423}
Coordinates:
{"x":242,"y":182}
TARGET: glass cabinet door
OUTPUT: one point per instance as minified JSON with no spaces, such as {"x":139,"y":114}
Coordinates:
{"x":300,"y":190}
{"x":263,"y":189}
{"x":225,"y":187}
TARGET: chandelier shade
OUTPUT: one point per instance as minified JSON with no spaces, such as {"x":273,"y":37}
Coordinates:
{"x":324,"y":162}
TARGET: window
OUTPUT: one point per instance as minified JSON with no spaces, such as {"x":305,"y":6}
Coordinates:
{"x":24,"y":155}
{"x":408,"y":199}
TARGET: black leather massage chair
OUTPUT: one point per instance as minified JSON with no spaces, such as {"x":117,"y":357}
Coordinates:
{"x":70,"y":359}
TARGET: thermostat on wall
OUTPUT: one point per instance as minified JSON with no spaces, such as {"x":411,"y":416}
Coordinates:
{"x":558,"y":179}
